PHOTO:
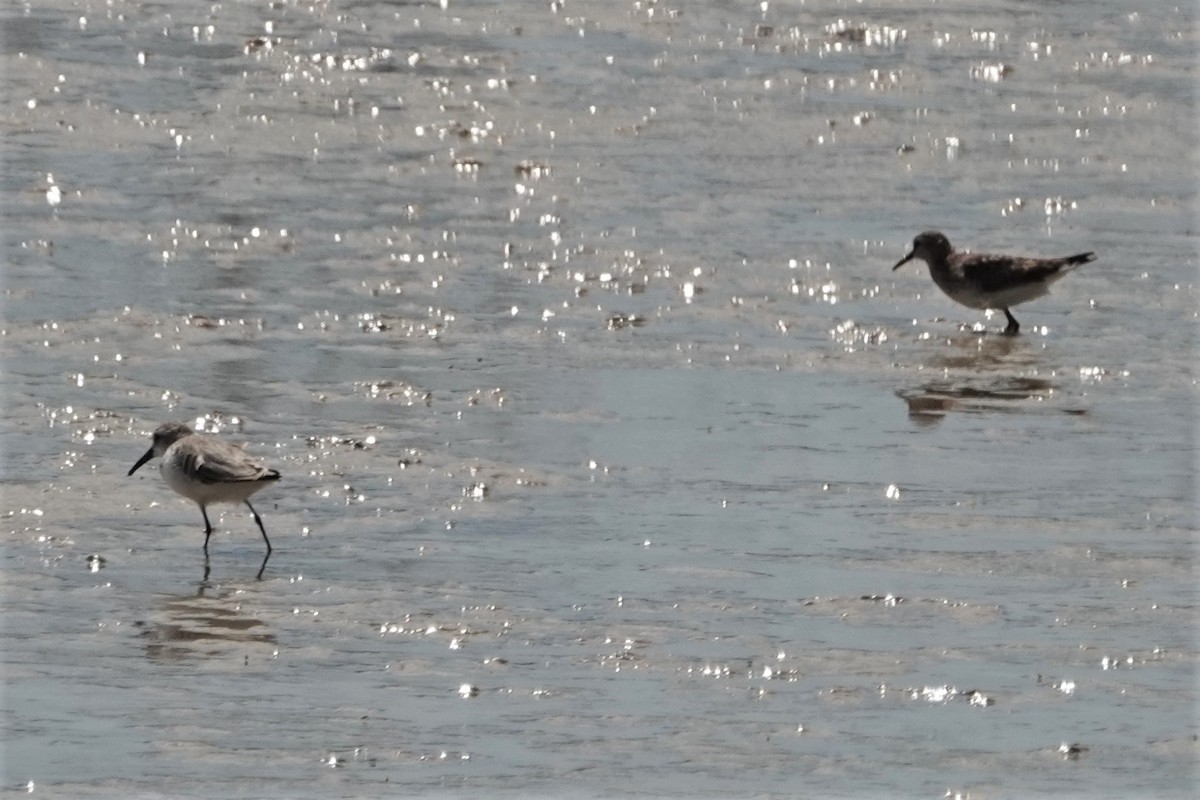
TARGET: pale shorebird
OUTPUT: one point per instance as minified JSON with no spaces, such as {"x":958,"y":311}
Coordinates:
{"x":980,"y":280}
{"x":208,"y":470}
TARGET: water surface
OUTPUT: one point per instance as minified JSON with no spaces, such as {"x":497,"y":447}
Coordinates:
{"x":616,"y":460}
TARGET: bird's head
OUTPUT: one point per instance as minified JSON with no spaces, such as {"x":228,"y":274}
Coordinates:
{"x":928,"y":246}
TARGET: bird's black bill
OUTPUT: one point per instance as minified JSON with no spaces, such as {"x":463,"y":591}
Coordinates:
{"x":149,"y":455}
{"x":902,"y":262}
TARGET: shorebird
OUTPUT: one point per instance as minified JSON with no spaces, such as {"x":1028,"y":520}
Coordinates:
{"x":980,"y":280}
{"x":208,"y":470}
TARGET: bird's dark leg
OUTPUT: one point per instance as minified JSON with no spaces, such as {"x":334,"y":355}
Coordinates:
{"x":258,"y":519}
{"x":207,"y":530}
{"x":1013,"y":325}
{"x":267,"y":557}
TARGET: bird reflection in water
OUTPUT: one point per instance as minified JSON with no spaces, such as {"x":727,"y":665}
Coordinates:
{"x":983,"y":375}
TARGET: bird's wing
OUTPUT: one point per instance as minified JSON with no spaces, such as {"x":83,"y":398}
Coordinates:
{"x":218,"y":462}
{"x":997,"y":273}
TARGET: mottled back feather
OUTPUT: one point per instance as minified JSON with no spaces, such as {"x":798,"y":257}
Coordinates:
{"x":218,"y":462}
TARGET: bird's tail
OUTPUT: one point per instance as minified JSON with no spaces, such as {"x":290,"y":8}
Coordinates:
{"x":1080,"y":258}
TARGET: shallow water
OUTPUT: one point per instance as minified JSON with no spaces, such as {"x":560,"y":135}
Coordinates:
{"x":616,"y":459}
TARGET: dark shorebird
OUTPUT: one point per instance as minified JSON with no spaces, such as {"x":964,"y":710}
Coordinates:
{"x":208,"y":470}
{"x":980,"y":280}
